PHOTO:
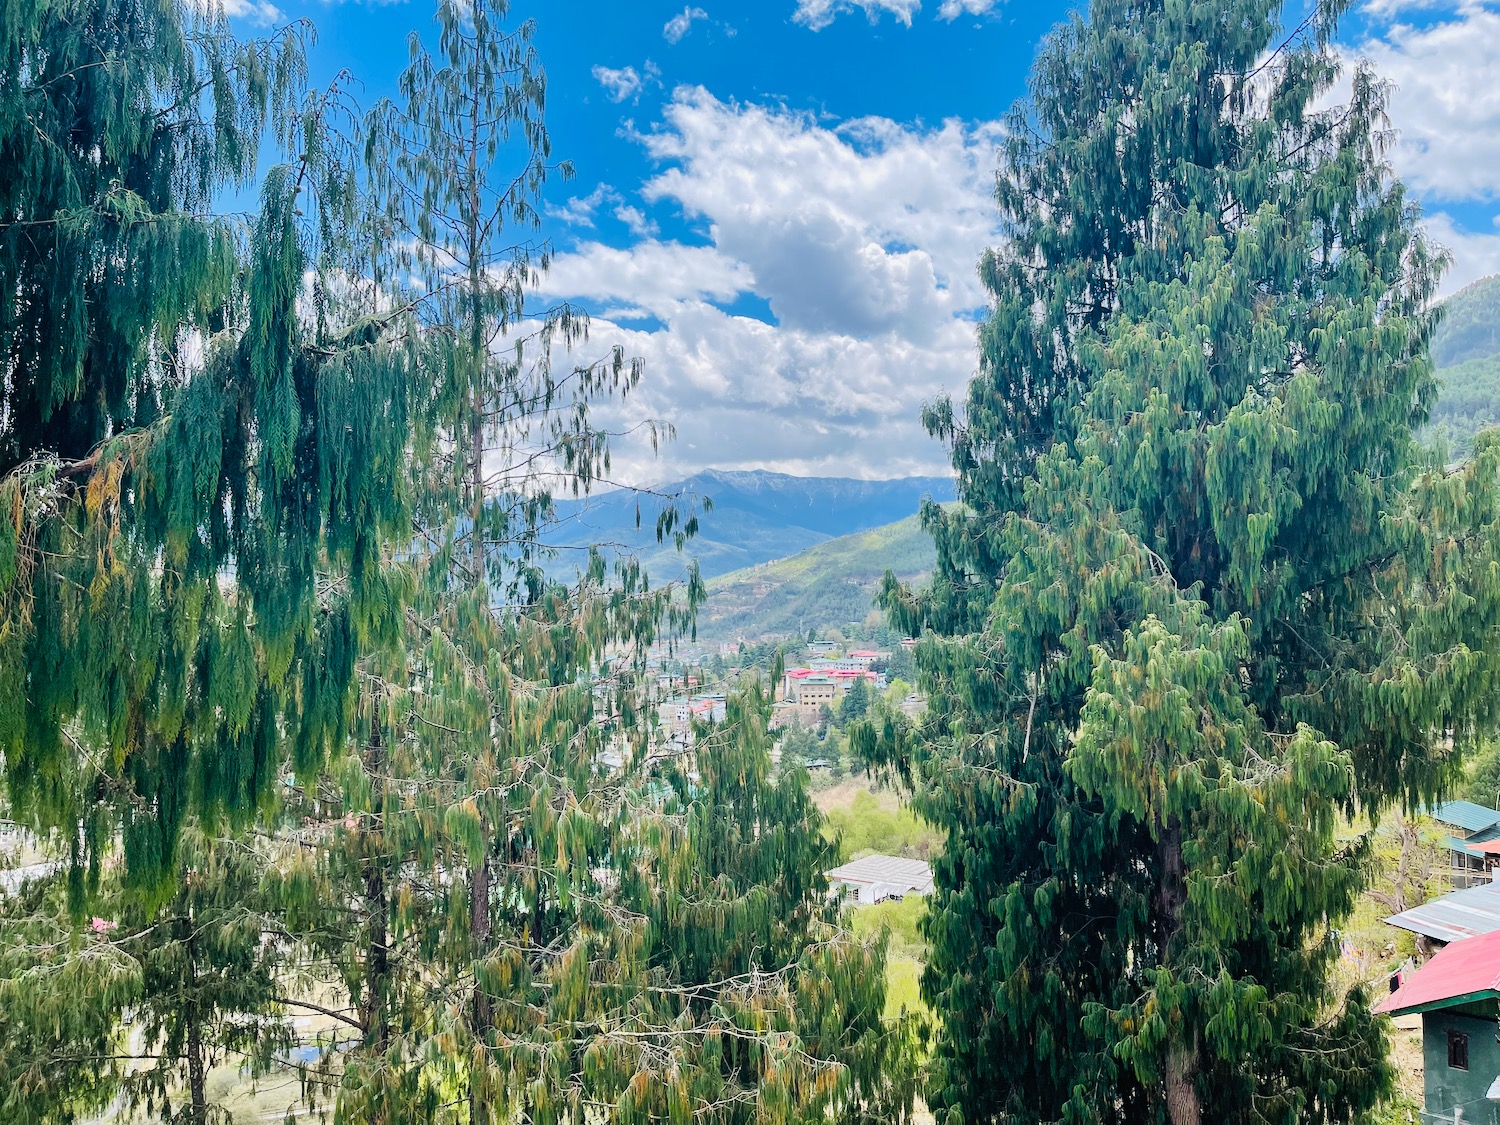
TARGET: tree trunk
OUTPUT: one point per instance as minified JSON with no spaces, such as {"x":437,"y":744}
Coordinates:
{"x":1180,"y":1089}
{"x":197,"y":1071}
{"x":377,"y":905}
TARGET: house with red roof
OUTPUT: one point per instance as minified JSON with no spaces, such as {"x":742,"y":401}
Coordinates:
{"x":1457,"y":994}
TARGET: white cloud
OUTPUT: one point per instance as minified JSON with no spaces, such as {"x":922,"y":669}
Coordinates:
{"x":680,"y":24}
{"x":259,"y":12}
{"x":1445,"y":104}
{"x":744,"y":394}
{"x":618,"y":84}
{"x":952,"y":9}
{"x":653,"y":276}
{"x":1386,"y":9}
{"x":818,"y":14}
{"x":579,"y":210}
{"x":636,"y":220}
{"x":862,"y":239}
{"x":869,"y":228}
{"x":1475,"y":254}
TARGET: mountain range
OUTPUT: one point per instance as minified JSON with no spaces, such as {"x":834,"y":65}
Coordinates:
{"x":755,"y":517}
{"x":785,"y":553}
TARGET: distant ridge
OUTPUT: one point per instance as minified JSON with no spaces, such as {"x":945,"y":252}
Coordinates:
{"x":830,"y":584}
{"x":756,"y":517}
{"x":1466,"y":353}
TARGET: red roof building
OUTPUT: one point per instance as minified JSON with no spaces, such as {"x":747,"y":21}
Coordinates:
{"x":1464,"y":972}
{"x":1457,"y":994}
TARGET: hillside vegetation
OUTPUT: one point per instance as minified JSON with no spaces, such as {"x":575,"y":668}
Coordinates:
{"x":755,"y":517}
{"x":827,"y":585}
{"x":1466,"y":349}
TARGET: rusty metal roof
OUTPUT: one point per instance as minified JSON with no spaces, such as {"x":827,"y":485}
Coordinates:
{"x":1462,"y":914}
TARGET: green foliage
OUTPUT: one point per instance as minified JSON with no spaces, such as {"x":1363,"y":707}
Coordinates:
{"x":1481,"y":782}
{"x":865,"y":828}
{"x":188,"y":557}
{"x":1466,"y":350}
{"x":215,"y":612}
{"x":1468,"y":401}
{"x":828,"y":585}
{"x":900,"y":918}
{"x":856,"y":701}
{"x":1470,"y":325}
{"x":1190,"y":492}
{"x":60,"y":994}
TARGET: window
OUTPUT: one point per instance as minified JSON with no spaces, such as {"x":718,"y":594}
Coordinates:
{"x":1458,"y":1050}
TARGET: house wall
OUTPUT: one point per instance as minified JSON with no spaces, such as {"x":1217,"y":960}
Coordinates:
{"x":1445,"y":1087}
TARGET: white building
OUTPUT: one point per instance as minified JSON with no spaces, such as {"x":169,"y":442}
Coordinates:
{"x":879,"y":877}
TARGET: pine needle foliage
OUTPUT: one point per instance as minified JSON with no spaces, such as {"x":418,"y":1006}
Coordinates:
{"x":198,"y":473}
{"x":1204,"y":592}
{"x":488,"y":878}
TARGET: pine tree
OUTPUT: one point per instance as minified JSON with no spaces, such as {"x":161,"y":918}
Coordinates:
{"x":1204,"y":593}
{"x":196,"y":474}
{"x":211,"y":968}
{"x":856,"y":701}
{"x":765,"y":1007}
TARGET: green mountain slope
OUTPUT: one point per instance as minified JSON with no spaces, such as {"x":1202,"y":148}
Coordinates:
{"x":830,"y":584}
{"x":1466,"y":349}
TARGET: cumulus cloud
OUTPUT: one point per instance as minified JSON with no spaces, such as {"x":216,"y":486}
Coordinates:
{"x":618,"y":84}
{"x":579,"y":210}
{"x":818,"y":14}
{"x":1445,"y":103}
{"x":653,"y":276}
{"x":952,"y":9}
{"x":867,"y":228}
{"x":861,"y":239}
{"x":259,"y":12}
{"x":1385,"y":9}
{"x":636,"y":220}
{"x":745,"y":394}
{"x":1476,"y":254}
{"x":680,"y":24}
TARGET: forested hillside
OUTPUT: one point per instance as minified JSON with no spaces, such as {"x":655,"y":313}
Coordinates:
{"x":827,"y":585}
{"x":1466,"y":351}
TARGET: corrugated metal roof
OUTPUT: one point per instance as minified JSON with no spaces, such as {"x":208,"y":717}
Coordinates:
{"x":1466,"y":970}
{"x":1454,"y":844}
{"x":908,"y":874}
{"x":1463,"y":914}
{"x":1465,"y":814}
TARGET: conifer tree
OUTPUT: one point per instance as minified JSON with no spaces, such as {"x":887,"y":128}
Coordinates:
{"x":768,"y":1009}
{"x":507,"y":954}
{"x":197,"y":475}
{"x":1204,"y":593}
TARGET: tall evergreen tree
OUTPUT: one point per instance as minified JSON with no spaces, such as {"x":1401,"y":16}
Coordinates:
{"x":1203,"y":595}
{"x":196,"y":474}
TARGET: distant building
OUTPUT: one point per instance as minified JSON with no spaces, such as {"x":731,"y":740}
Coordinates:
{"x":877,"y":878}
{"x":1457,"y":994}
{"x":1474,"y":841}
{"x":676,"y":716}
{"x":1468,"y":913}
{"x":812,"y":689}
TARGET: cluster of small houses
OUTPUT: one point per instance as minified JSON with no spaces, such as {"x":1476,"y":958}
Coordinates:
{"x":802,"y":695}
{"x":1457,"y":991}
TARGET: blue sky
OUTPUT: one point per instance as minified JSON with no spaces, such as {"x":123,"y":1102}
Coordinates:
{"x":779,"y":205}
